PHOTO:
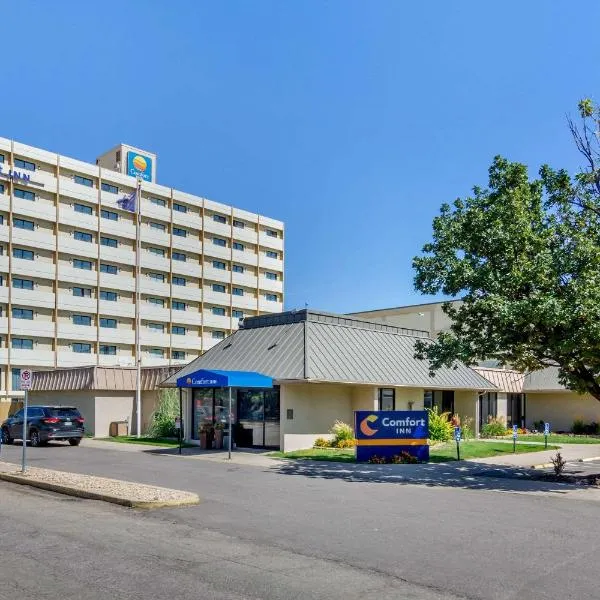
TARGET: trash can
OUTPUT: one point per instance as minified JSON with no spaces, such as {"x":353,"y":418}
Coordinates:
{"x":118,"y":429}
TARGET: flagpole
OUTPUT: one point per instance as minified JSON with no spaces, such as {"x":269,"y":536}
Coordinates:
{"x":138,"y":357}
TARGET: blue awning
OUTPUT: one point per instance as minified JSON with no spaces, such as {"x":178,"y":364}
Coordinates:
{"x":220,"y":379}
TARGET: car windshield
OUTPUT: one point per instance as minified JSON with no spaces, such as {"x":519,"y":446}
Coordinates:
{"x":72,"y":413}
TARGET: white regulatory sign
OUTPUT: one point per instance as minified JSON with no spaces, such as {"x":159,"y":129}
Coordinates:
{"x":25,"y":379}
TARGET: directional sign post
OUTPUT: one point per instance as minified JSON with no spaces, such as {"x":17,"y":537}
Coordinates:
{"x":25,"y":385}
{"x":457,"y":436}
{"x":546,"y":433}
{"x":515,"y":433}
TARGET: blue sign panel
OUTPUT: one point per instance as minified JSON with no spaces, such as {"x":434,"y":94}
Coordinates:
{"x":457,"y":433}
{"x":139,"y":166}
{"x":387,"y":433}
{"x":546,"y":428}
{"x":515,"y":431}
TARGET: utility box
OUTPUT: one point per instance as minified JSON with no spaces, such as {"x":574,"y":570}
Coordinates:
{"x":118,"y":429}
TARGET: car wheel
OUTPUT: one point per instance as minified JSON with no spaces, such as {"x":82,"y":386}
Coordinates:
{"x":6,"y":439}
{"x":34,"y":439}
{"x":75,"y":441}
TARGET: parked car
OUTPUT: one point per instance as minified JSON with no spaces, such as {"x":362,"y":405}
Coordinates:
{"x":45,"y":423}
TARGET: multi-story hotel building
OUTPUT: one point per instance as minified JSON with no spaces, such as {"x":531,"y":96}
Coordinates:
{"x":67,"y":264}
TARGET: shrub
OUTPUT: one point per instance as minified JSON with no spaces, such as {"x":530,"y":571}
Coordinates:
{"x":162,"y":420}
{"x":377,"y":460}
{"x":581,"y":428}
{"x":322,"y":443}
{"x":467,"y":428}
{"x":341,"y":431}
{"x":493,"y":428}
{"x":538,"y":425}
{"x":578,"y":427}
{"x":440,"y":426}
{"x":558,"y":462}
{"x":404,"y":458}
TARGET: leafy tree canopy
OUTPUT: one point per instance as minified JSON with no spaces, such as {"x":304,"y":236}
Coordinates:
{"x":523,"y":255}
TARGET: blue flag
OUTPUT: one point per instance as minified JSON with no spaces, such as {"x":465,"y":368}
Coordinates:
{"x":128,"y":202}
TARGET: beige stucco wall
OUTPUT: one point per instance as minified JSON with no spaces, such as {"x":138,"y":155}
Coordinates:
{"x":114,"y":406}
{"x":560,"y":409}
{"x":465,"y":405}
{"x":81,"y":399}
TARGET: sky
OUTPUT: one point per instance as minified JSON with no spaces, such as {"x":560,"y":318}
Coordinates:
{"x":351,"y":121}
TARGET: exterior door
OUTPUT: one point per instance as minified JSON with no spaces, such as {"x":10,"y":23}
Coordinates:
{"x":258,"y":418}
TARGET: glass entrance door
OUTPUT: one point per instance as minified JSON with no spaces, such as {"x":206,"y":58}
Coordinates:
{"x":258,"y":418}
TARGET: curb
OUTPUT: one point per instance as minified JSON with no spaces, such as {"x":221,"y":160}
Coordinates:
{"x":548,"y":465}
{"x":192,"y":499}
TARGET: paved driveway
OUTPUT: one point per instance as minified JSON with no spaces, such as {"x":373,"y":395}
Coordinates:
{"x":443,"y":529}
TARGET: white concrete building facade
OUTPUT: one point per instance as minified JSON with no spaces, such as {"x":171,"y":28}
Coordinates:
{"x":67,"y":264}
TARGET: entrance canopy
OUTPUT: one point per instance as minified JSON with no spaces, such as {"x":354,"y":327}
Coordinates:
{"x":222,"y":379}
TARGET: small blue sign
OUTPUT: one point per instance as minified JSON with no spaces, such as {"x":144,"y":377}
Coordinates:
{"x":139,"y":165}
{"x":515,"y":431}
{"x":387,"y":433}
{"x":546,"y":428}
{"x":457,"y":433}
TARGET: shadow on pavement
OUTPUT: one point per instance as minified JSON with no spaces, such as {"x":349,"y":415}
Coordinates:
{"x":460,"y":475}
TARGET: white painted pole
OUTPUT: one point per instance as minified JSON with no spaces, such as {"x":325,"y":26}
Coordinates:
{"x":138,"y":357}
{"x":24,"y":457}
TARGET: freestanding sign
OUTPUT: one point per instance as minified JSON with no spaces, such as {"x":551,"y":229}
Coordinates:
{"x":25,"y":384}
{"x":25,"y":379}
{"x":386,"y":433}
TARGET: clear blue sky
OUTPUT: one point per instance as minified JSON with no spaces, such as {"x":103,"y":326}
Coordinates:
{"x":352,"y":121}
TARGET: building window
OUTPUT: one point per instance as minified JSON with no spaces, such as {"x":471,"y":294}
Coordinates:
{"x":158,"y":226}
{"x":81,"y":348}
{"x":158,"y":327}
{"x":83,"y":181}
{"x":109,"y":214}
{"x":271,"y":297}
{"x":82,"y":236}
{"x":239,"y":224}
{"x":1,"y":161}
{"x":108,"y":323}
{"x":387,"y":399}
{"x":1,"y":188}
{"x":110,"y":296}
{"x":272,"y":233}
{"x":23,"y":194}
{"x":83,"y":209}
{"x":21,"y":344}
{"x":22,"y":313}
{"x":179,"y":280}
{"x":110,"y":269}
{"x":217,"y":264}
{"x":236,"y":291}
{"x":179,"y":207}
{"x":110,"y":242}
{"x":22,"y":284}
{"x":179,"y":256}
{"x":158,"y":201}
{"x":16,"y":377}
{"x":219,"y":242}
{"x":24,"y":164}
{"x":238,"y":246}
{"x":156,"y":276}
{"x":86,"y":265}
{"x":157,"y":302}
{"x":217,"y":287}
{"x":218,"y":310}
{"x":443,"y":400}
{"x":488,"y":407}
{"x":271,"y":254}
{"x":180,"y":232}
{"x":158,"y":352}
{"x":237,"y":314}
{"x":82,"y":292}
{"x":107,"y":187}
{"x":238,"y":269}
{"x":157,"y":251}
{"x":23,"y":224}
{"x":177,"y":330}
{"x":178,"y":355}
{"x":219,"y":219}
{"x":178,"y":305}
{"x":82,"y":320}
{"x":271,"y":276}
{"x":108,"y":350}
{"x":218,"y":335}
{"x":24,"y":254}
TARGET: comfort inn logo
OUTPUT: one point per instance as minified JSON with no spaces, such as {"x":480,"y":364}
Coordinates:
{"x":365,"y":427}
{"x":139,"y":166}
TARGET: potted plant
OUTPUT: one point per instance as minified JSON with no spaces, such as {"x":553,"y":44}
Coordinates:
{"x":204,"y":436}
{"x":219,"y":427}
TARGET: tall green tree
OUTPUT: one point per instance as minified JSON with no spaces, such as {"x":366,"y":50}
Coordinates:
{"x":523,"y":255}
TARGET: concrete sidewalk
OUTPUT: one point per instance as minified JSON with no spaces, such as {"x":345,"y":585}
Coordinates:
{"x":570,"y":452}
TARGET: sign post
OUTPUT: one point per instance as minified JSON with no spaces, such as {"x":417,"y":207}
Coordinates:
{"x":25,"y":384}
{"x":515,"y":432}
{"x":386,"y":434}
{"x":546,"y":433}
{"x":457,"y":436}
